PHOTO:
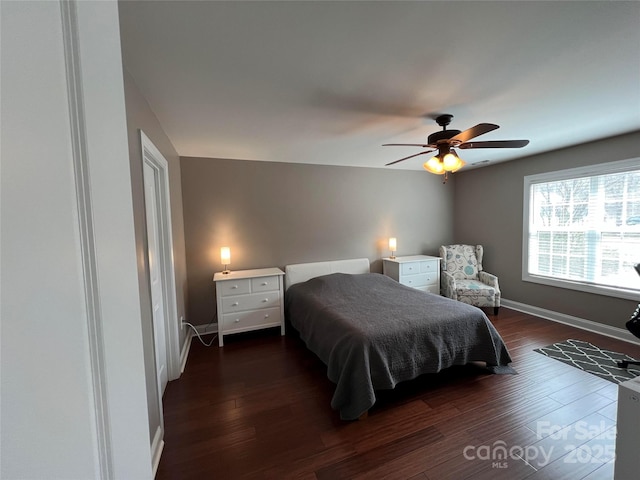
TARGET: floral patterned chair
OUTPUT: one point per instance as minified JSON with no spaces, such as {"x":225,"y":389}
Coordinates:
{"x":464,"y":280}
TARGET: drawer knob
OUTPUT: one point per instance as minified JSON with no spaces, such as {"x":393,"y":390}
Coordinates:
{"x":235,"y":304}
{"x":266,"y":315}
{"x":234,"y":287}
{"x":264,"y":284}
{"x":265,"y":300}
{"x":410,"y":281}
{"x":237,"y":320}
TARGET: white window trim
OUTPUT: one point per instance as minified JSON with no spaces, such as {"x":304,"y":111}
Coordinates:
{"x":571,"y":173}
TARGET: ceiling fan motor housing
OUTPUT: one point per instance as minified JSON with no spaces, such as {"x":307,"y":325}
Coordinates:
{"x":434,"y":138}
{"x":442,"y":120}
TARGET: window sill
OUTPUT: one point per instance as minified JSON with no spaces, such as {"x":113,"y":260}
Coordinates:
{"x":628,"y":294}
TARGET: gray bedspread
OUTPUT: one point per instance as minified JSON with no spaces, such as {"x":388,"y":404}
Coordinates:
{"x":373,"y":333}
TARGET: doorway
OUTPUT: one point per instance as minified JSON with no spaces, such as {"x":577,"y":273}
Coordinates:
{"x":161,"y":280}
{"x":153,"y":221}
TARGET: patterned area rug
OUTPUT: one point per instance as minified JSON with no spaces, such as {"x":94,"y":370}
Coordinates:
{"x":591,"y":359}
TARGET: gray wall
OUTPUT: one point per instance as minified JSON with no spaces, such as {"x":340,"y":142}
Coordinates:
{"x":141,"y":117}
{"x":488,"y":211}
{"x":274,"y":214}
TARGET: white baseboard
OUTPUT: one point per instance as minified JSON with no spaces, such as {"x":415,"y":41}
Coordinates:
{"x":156,"y":449}
{"x":588,"y":325}
{"x":184,"y":353}
{"x":207,"y":329}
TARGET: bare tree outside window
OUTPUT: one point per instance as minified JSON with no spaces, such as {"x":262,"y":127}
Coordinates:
{"x":585,"y":229}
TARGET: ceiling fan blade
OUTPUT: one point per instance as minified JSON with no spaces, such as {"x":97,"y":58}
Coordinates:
{"x":406,"y":145}
{"x":495,"y":144}
{"x":410,"y":156}
{"x":474,"y":132}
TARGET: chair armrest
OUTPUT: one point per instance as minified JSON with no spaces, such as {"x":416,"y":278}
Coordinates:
{"x":489,"y":279}
{"x":448,"y":285}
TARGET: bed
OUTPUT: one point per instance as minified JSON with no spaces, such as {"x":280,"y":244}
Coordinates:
{"x":373,"y":332}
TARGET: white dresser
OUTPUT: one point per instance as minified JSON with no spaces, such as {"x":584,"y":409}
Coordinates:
{"x":627,"y":463}
{"x":249,"y":300}
{"x":421,"y":272}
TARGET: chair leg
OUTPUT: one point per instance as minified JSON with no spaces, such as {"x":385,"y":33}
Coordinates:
{"x":496,"y":310}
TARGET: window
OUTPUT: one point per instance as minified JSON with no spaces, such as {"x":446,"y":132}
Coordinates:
{"x":582,"y":228}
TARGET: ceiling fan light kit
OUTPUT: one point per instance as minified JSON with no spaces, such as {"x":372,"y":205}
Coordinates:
{"x":447,"y":159}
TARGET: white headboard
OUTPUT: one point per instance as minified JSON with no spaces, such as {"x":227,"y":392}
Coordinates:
{"x":302,"y":272}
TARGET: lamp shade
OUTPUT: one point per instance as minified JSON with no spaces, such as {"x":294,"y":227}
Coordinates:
{"x":459,"y":164}
{"x":434,"y":165}
{"x":393,"y":244}
{"x":225,"y":255}
{"x":450,"y":161}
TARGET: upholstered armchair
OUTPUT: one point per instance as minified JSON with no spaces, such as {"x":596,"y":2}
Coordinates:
{"x":463,"y":278}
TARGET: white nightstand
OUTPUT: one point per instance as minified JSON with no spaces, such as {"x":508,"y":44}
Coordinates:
{"x":421,"y":272}
{"x":249,"y":300}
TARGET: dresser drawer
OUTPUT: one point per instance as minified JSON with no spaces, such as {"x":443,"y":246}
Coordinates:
{"x":265,"y":284}
{"x":410,"y":268}
{"x":234,"y":287}
{"x":419,"y":280}
{"x":250,"y":302}
{"x":249,"y":320}
{"x":428,"y":266}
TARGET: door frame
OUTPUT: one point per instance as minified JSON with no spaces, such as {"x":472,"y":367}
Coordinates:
{"x":158,"y":330}
{"x":89,"y":51}
{"x":152,"y":157}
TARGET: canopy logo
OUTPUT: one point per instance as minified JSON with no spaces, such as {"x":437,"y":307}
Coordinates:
{"x":571,"y":442}
{"x":499,"y":454}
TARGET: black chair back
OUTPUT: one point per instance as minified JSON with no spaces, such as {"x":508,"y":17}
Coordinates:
{"x":633,"y":325}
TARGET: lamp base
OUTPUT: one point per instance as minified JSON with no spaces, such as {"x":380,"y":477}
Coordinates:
{"x":392,"y":257}
{"x":226,"y":272}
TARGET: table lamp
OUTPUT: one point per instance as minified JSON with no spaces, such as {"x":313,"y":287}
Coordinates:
{"x":225,"y":259}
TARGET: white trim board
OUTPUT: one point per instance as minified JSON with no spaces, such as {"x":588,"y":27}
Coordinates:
{"x":81,"y":166}
{"x":602,"y":329}
{"x":207,"y":328}
{"x":157,"y":446}
{"x":184,"y":352}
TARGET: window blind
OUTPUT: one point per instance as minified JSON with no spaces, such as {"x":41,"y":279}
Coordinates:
{"x":586,"y":229}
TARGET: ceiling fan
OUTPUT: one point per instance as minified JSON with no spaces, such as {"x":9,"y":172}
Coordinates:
{"x":444,"y":142}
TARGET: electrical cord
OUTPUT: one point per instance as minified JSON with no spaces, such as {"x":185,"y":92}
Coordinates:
{"x":195,"y":330}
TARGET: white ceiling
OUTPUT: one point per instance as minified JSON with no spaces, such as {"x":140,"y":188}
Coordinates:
{"x":329,"y":82}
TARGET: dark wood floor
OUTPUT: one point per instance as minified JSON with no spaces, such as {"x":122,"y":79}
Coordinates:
{"x":259,"y":408}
